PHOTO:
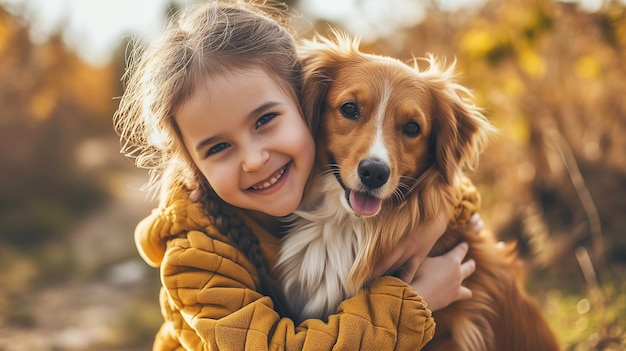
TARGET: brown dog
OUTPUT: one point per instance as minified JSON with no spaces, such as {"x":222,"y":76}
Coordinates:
{"x":392,"y":145}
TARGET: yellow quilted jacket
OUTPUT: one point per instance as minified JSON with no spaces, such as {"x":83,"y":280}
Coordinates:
{"x":209,"y":296}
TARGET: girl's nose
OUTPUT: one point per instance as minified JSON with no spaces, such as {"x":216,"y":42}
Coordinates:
{"x":254,"y":160}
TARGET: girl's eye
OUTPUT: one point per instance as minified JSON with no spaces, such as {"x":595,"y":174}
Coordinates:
{"x":265,"y":119}
{"x":349,"y":110}
{"x":217,"y":148}
{"x":412,"y":129}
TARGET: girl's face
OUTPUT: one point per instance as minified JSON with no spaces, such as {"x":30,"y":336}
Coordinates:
{"x":246,"y":135}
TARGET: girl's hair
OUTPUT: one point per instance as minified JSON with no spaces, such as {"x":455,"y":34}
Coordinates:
{"x":201,"y":42}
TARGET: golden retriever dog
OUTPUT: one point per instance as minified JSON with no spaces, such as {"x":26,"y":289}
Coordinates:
{"x":393,"y":142}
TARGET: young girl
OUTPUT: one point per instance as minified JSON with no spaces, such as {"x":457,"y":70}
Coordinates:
{"x":216,"y":99}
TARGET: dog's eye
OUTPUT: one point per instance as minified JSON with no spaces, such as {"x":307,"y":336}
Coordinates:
{"x":412,"y":129}
{"x":349,"y":110}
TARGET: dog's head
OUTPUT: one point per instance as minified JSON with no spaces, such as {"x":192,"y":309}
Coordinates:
{"x":385,"y":128}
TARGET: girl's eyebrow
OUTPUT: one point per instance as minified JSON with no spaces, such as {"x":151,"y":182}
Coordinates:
{"x":252,"y":115}
{"x":202,"y":144}
{"x":265,"y":106}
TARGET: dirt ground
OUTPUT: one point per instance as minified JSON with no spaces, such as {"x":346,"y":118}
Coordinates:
{"x":96,"y":309}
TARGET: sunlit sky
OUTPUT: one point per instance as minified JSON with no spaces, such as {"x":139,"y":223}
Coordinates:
{"x":94,"y":27}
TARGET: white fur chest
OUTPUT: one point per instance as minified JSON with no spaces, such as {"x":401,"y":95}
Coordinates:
{"x":318,"y":253}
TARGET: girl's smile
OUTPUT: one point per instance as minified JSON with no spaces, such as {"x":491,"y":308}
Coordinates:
{"x":273,"y":182}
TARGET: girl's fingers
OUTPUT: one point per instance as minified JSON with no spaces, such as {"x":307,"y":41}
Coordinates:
{"x":467,"y":268}
{"x":464,"y":293}
{"x":459,"y":252}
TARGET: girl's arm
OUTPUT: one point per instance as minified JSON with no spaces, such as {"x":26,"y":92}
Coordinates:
{"x":210,"y":297}
{"x":211,"y":301}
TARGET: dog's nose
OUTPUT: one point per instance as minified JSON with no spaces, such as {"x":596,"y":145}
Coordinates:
{"x":373,"y":173}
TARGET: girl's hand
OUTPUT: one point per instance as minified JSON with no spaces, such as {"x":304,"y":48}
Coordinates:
{"x":414,"y":247}
{"x":439,"y":279}
{"x":411,"y":250}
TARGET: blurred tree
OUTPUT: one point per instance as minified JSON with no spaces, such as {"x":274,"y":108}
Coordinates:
{"x":52,"y":101}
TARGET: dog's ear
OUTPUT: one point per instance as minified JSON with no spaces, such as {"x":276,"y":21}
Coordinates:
{"x":316,"y":78}
{"x":319,"y":58}
{"x":460,"y":129}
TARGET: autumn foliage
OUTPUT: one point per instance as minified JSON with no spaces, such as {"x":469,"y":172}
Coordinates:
{"x":51,"y":102}
{"x":549,"y":75}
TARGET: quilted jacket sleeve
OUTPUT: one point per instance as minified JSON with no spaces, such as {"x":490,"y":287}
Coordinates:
{"x":209,"y":296}
{"x":210,"y":303}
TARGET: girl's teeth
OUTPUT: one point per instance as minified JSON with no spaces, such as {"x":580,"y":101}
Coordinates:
{"x":272,"y":180}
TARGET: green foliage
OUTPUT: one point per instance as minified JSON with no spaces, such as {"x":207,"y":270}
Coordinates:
{"x":592,"y":322}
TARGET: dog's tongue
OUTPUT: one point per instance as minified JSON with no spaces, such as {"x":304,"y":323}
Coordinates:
{"x":364,"y":204}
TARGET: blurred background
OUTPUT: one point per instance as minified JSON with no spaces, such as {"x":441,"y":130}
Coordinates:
{"x":551,"y":76}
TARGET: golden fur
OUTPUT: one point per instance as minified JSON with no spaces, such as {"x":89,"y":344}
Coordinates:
{"x":425,"y":176}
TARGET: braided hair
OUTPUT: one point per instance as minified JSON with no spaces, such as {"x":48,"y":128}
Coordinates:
{"x":229,"y":223}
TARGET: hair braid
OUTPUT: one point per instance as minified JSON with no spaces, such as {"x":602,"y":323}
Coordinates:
{"x":230,"y":224}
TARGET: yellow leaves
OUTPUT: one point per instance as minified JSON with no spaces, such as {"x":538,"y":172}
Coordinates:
{"x":512,"y":85}
{"x":478,"y":42}
{"x":494,"y":44}
{"x":532,"y":63}
{"x":518,"y":15}
{"x":7,"y":31}
{"x":587,"y":67}
{"x":518,"y":130}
